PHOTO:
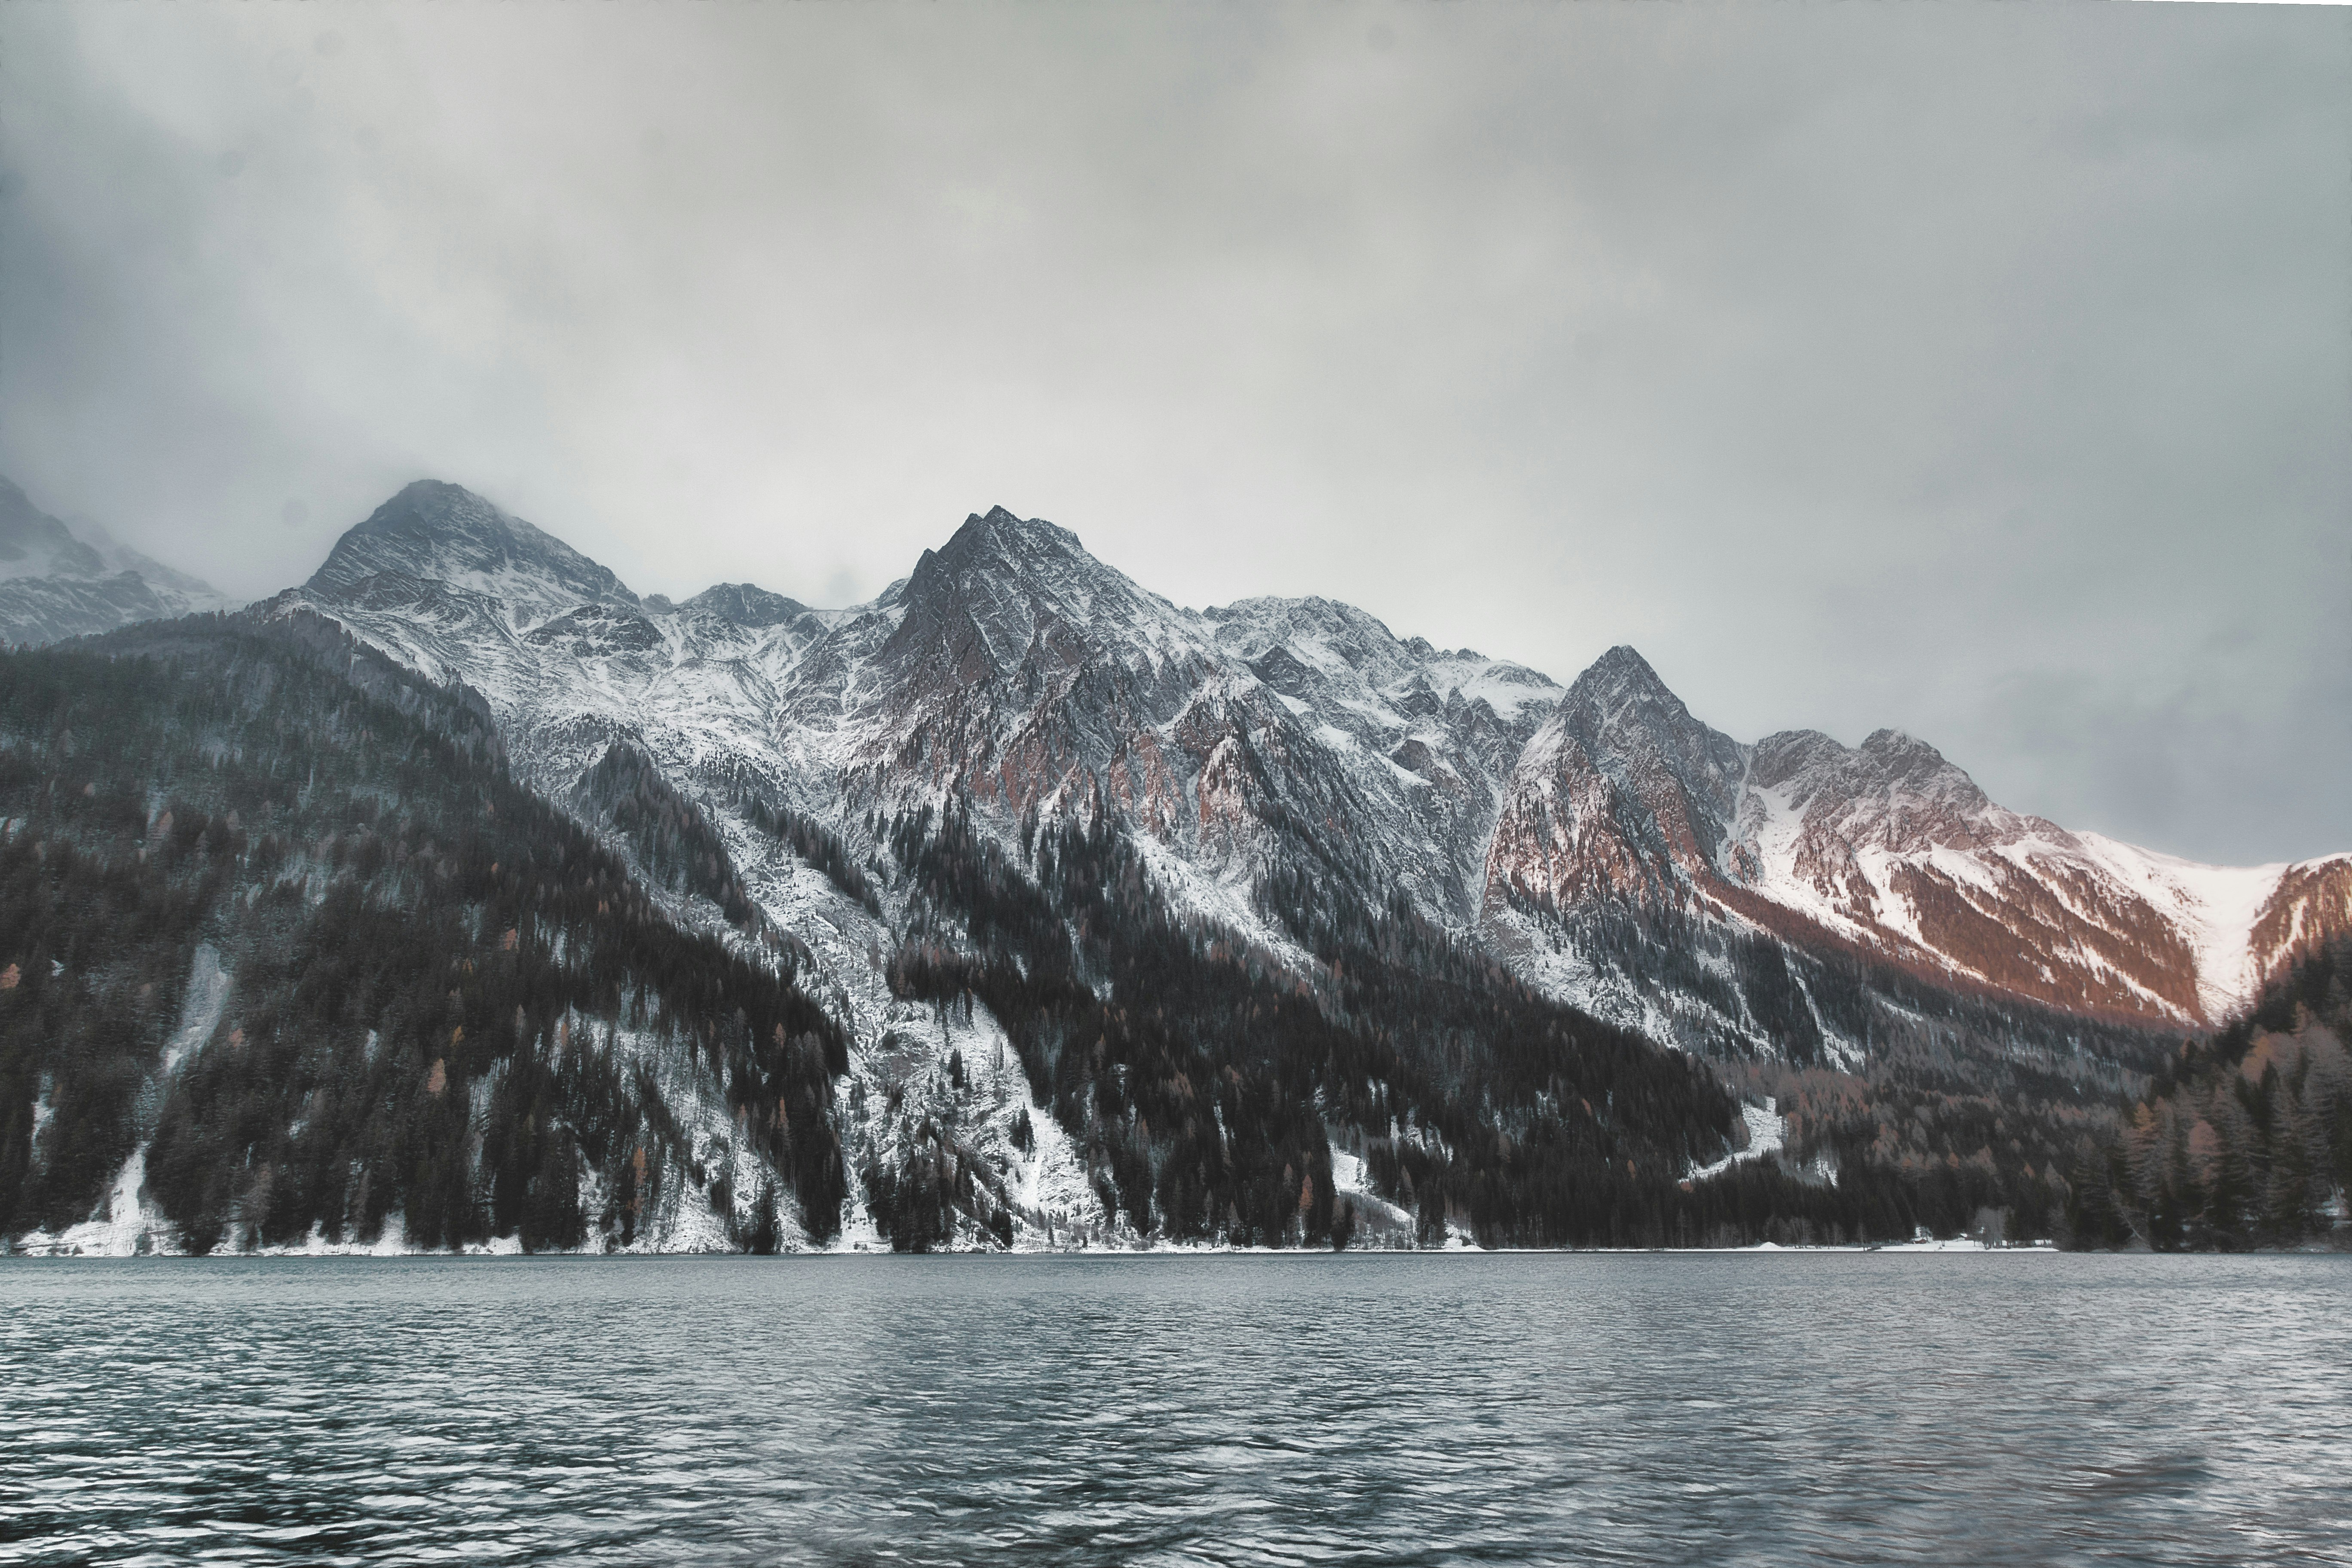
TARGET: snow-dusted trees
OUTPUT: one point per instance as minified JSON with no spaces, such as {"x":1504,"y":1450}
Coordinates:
{"x":437,"y":973}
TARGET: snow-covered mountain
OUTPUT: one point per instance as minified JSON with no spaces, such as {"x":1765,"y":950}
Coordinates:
{"x":1010,"y":668}
{"x":1139,"y":920}
{"x":56,"y":584}
{"x":1889,"y":849}
{"x":1014,"y":670}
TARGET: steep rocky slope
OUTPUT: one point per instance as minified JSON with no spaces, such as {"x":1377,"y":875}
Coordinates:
{"x":293,"y":962}
{"x":1278,"y":761}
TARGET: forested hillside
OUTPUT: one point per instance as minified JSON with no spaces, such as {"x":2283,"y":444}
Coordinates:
{"x":286,"y":953}
{"x":2245,"y":1138}
{"x":289,"y":956}
{"x":1210,"y":1085}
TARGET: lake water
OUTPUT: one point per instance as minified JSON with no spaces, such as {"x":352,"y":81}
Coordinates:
{"x":1712,"y":1409}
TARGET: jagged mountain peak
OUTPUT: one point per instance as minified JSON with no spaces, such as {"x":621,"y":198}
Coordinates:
{"x":1622,"y":794}
{"x":1619,"y":705}
{"x":1893,"y":788}
{"x":999,"y":543}
{"x":1902,"y":750}
{"x":1912,"y":766}
{"x":1252,"y":626}
{"x":435,"y":532}
{"x":1619,"y":675}
{"x":1015,"y":580}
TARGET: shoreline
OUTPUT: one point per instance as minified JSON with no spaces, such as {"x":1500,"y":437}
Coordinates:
{"x":1911,"y":1248}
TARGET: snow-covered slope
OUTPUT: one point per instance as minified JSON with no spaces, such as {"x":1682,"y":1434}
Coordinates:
{"x":1011,"y":668}
{"x":1428,"y":734}
{"x":436,"y":533}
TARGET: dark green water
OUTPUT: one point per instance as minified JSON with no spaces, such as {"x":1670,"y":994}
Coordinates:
{"x":1392,"y":1409}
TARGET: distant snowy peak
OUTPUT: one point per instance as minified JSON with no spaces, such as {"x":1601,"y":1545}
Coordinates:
{"x":436,"y":533}
{"x":58,"y":581}
{"x":36,"y":611}
{"x":1891,"y":793}
{"x":1013,"y":584}
{"x":1294,"y":643}
{"x":34,"y":544}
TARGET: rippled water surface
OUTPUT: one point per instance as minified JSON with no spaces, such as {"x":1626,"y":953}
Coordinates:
{"x":1661,"y":1408}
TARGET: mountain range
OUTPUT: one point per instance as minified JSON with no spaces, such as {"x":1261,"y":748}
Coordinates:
{"x":1252,"y":923}
{"x":1014,"y":669}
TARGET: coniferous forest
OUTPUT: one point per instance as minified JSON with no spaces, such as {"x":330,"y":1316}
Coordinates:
{"x":387,"y":978}
{"x":1480,"y":1107}
{"x":2244,"y":1139}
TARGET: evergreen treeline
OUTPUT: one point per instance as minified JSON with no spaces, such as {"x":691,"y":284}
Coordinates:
{"x":815,"y":844}
{"x":2244,"y":1139}
{"x":449,"y":1001}
{"x":1205,"y":1082}
{"x":674,"y":843}
{"x":1949,"y":1109}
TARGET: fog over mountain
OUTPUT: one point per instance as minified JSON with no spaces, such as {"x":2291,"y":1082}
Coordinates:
{"x":58,"y":581}
{"x":1982,"y":372}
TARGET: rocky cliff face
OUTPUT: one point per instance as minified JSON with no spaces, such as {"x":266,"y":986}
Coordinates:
{"x":1622,"y":796}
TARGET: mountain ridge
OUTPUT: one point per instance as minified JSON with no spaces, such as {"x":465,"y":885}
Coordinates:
{"x":1619,"y":795}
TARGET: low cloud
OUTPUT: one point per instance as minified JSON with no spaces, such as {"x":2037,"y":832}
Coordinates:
{"x":1984,"y":371}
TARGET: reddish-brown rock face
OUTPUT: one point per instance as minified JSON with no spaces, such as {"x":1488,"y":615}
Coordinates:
{"x":1622,"y":794}
{"x":1624,"y":798}
{"x":2311,"y":904}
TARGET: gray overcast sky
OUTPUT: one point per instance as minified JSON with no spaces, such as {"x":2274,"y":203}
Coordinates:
{"x":1984,"y":371}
